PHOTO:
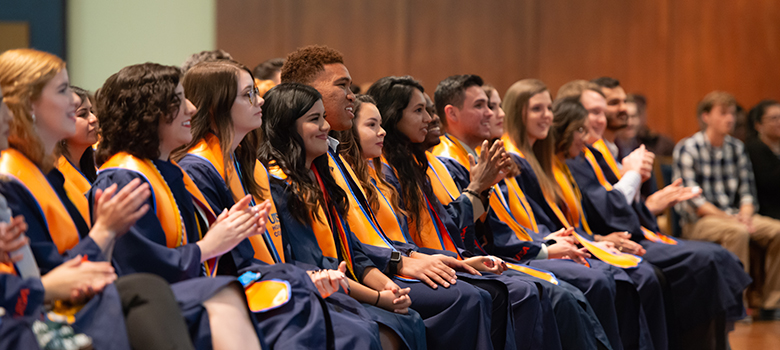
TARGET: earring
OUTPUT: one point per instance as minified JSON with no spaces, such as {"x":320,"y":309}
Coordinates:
{"x":33,"y":117}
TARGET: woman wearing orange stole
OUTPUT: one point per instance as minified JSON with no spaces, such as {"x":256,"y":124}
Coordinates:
{"x":312,"y":209}
{"x":144,"y":116}
{"x":229,"y":111}
{"x":38,"y":94}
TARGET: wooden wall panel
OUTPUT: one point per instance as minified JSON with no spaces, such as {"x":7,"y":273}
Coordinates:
{"x":674,"y":52}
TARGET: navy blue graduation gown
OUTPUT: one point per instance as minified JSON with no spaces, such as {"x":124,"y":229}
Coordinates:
{"x":643,"y":276}
{"x":301,"y":248}
{"x":704,"y":279}
{"x":143,"y":249}
{"x":302,"y":322}
{"x":598,"y":283}
{"x":101,"y":318}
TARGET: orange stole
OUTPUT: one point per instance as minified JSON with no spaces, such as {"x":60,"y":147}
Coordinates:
{"x":452,"y":149}
{"x":61,"y":227}
{"x":385,"y":215}
{"x":165,"y":205}
{"x":649,"y":234}
{"x":571,"y":194}
{"x":361,"y":222}
{"x":498,"y":203}
{"x":208,"y":149}
{"x":611,"y":161}
{"x":76,"y":186}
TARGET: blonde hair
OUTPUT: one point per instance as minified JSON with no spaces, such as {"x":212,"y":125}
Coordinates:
{"x":23,"y":74}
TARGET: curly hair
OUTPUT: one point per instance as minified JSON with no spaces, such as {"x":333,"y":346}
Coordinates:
{"x":350,"y":148}
{"x":302,"y":65}
{"x":284,"y":104}
{"x":212,"y":87}
{"x":392,"y":95}
{"x":23,"y":74}
{"x":130,"y":106}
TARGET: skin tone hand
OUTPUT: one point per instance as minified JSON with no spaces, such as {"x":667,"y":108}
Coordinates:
{"x":490,"y":264}
{"x":391,"y":296}
{"x":328,"y":281}
{"x":489,"y":170}
{"x":745,"y":216}
{"x":458,"y":265}
{"x":77,"y":280}
{"x":232,"y":227}
{"x":565,"y":250}
{"x":641,"y":161}
{"x":432,"y":272}
{"x":669,"y":196}
{"x":564,"y":234}
{"x":623,"y":243}
{"x":116,"y":212}
{"x":12,"y":238}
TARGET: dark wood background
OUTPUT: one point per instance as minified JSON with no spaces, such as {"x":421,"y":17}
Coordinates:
{"x":673,"y":52}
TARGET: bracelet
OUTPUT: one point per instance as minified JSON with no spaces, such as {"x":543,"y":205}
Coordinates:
{"x":377,"y":298}
{"x":473,"y":193}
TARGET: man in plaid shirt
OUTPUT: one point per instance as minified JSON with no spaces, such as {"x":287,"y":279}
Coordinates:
{"x":725,"y":212}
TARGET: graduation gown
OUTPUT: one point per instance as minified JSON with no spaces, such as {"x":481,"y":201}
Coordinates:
{"x":101,"y":317}
{"x":704,"y":279}
{"x":643,"y":276}
{"x":147,"y":247}
{"x":302,"y":322}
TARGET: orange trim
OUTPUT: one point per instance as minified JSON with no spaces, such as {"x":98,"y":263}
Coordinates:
{"x":209,"y":149}
{"x":385,"y":214}
{"x":76,"y":186}
{"x":452,"y":149}
{"x":596,"y":168}
{"x":165,"y":205}
{"x":61,"y":227}
{"x":607,"y":154}
{"x":7,"y":268}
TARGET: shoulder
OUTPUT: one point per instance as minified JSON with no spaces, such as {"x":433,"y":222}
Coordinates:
{"x":197,"y":167}
{"x":119,"y":176}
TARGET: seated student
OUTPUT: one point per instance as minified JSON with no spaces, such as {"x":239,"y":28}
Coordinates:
{"x":324,"y":69}
{"x":464,"y":103}
{"x":704,"y":281}
{"x":716,"y":162}
{"x":503,"y":333}
{"x":312,"y":208}
{"x":391,"y":92}
{"x":528,"y":102}
{"x":41,"y":104}
{"x":229,"y":111}
{"x":144,"y":115}
{"x":764,"y":151}
{"x":76,"y":160}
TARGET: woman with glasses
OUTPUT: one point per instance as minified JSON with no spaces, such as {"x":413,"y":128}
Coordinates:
{"x":144,"y":116}
{"x":222,"y":161}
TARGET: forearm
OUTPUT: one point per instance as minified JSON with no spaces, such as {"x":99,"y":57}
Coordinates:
{"x":709,"y":209}
{"x":104,"y":238}
{"x":375,"y":279}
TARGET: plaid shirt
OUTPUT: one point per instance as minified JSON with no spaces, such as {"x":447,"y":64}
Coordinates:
{"x":724,"y":174}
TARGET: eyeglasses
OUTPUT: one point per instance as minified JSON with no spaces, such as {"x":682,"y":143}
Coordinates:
{"x":253,"y":94}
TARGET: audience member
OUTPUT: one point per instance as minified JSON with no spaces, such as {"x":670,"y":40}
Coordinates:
{"x":763,"y":146}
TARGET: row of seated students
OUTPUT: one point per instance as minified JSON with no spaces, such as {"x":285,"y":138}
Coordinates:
{"x":482,"y":237}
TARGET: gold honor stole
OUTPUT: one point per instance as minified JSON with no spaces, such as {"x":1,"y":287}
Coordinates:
{"x":208,"y":149}
{"x":60,"y":225}
{"x":76,"y":186}
{"x":165,"y":206}
{"x":446,"y":191}
{"x":324,"y":232}
{"x":361,"y":220}
{"x":574,"y":213}
{"x":649,"y":234}
{"x":385,"y":215}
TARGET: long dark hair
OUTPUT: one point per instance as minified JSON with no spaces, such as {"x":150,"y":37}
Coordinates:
{"x":130,"y":105}
{"x":352,"y":151}
{"x":756,"y":114}
{"x":212,"y":87}
{"x":568,"y":116}
{"x":392,"y":95}
{"x":284,"y":104}
{"x":86,"y":164}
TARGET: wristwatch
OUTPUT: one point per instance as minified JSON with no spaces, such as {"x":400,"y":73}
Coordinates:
{"x":395,"y":259}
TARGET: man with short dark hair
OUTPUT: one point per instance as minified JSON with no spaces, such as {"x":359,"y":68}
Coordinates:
{"x":270,"y":70}
{"x":717,"y":163}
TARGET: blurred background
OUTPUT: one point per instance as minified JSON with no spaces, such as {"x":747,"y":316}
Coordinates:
{"x":672,"y":52}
